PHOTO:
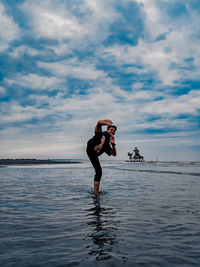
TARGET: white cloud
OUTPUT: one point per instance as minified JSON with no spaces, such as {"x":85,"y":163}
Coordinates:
{"x":60,"y":49}
{"x":73,"y":68}
{"x":50,"y":19}
{"x":185,"y":104}
{"x":70,"y":135}
{"x":36,"y":82}
{"x":153,"y":18}
{"x":14,"y":112}
{"x":21,"y":50}
{"x":159,"y":57}
{"x":152,"y":56}
{"x":166,"y":58}
{"x":2,"y":90}
{"x":9,"y":30}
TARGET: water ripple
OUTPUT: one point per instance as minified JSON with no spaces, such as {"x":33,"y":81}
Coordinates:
{"x":50,"y":217}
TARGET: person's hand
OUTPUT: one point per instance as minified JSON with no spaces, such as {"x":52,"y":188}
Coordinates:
{"x":112,"y":139}
{"x":97,"y":148}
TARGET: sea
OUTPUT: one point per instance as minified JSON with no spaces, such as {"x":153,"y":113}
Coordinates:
{"x":147,"y":214}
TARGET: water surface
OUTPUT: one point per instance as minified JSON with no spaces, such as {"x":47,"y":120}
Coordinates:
{"x":146,"y":215}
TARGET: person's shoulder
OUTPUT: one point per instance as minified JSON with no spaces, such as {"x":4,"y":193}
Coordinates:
{"x":106,"y":134}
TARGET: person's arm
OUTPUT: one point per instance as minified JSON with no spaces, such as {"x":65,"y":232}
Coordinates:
{"x":113,"y":144}
{"x":100,"y":123}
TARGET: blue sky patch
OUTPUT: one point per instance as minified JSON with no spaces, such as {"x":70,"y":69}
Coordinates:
{"x":130,"y":26}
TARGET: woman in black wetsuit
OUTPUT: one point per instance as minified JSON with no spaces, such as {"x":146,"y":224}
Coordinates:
{"x":101,"y":142}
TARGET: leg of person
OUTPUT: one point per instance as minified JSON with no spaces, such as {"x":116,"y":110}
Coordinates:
{"x":98,"y":171}
{"x":97,"y":177}
{"x":96,"y":188}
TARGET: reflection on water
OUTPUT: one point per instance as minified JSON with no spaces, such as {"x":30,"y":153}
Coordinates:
{"x":102,"y":228}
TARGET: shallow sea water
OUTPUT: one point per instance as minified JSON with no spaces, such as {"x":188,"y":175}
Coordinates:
{"x":148,"y":214}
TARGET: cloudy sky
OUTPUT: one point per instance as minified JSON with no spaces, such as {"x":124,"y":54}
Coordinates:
{"x":67,"y":63}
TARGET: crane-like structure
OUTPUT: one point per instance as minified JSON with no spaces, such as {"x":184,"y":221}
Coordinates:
{"x":135,"y":156}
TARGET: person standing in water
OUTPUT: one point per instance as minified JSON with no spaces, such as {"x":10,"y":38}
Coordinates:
{"x":101,"y":142}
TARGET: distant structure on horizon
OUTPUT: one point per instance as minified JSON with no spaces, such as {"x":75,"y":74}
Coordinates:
{"x":135,"y":156}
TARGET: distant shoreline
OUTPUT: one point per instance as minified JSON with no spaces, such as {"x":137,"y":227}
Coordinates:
{"x":37,"y":161}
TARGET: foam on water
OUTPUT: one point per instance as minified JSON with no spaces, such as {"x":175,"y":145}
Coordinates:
{"x":146,"y":215}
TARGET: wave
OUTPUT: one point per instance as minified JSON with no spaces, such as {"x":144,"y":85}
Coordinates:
{"x":157,"y":171}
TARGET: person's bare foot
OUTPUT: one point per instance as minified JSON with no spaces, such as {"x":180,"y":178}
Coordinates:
{"x":105,"y":122}
{"x":108,"y":122}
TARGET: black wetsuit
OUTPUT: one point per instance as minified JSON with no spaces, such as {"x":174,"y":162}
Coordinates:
{"x":93,"y":155}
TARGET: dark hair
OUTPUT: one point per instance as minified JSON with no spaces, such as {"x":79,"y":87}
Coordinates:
{"x":109,"y":126}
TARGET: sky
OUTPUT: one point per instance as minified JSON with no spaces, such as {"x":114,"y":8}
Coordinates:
{"x":65,"y":64}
